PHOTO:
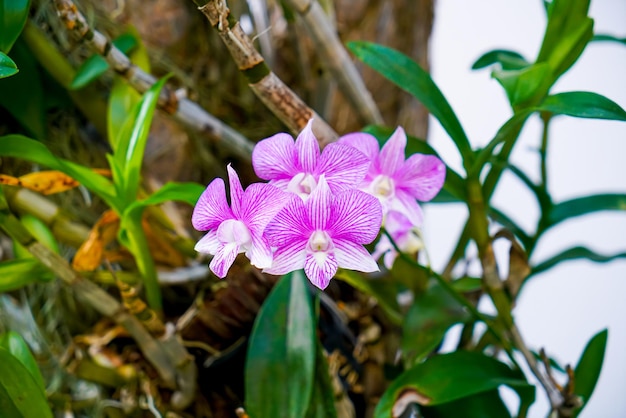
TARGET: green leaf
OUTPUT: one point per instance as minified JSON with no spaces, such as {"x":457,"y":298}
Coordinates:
{"x":589,"y":366}
{"x":525,"y":86}
{"x":132,"y":140}
{"x":93,"y":67}
{"x":20,"y":395}
{"x":123,"y":96}
{"x":15,"y":274}
{"x":323,"y":397}
{"x":467,"y":284}
{"x":508,"y":60}
{"x":40,"y":231}
{"x":280,"y":364}
{"x":583,"y":104}
{"x":23,"y":94}
{"x":454,"y":184}
{"x":568,"y":31}
{"x":449,"y":377}
{"x":384,"y":289}
{"x":19,"y":146}
{"x":482,"y":405}
{"x":15,"y":344}
{"x":13,"y":15}
{"x":602,"y":37}
{"x":409,"y":76}
{"x":575,"y":253}
{"x":7,"y":66}
{"x":585,"y":205}
{"x":429,"y":318}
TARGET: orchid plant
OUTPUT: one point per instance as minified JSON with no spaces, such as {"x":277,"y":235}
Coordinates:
{"x":319,"y":208}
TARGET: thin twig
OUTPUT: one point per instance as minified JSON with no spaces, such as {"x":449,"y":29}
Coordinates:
{"x":337,"y":60}
{"x":270,"y":89}
{"x":185,"y":110}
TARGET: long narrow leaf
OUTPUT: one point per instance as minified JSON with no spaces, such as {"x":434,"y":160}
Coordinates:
{"x":15,"y":344}
{"x":19,"y":146}
{"x":583,"y":104}
{"x":15,"y":274}
{"x":133,"y":139}
{"x":585,"y":205}
{"x":508,"y":60}
{"x":409,"y":76}
{"x":575,"y":253}
{"x":13,"y":15}
{"x":7,"y":66}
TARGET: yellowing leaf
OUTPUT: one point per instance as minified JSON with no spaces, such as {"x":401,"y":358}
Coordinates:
{"x":45,"y":182}
{"x":89,"y":255}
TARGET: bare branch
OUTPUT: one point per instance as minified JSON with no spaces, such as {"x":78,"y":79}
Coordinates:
{"x":337,"y":60}
{"x":270,"y":89}
{"x":185,"y":110}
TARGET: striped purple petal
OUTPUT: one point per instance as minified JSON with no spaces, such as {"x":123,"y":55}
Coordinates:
{"x":212,"y":207}
{"x":308,"y":149}
{"x":236,"y":192}
{"x":320,"y":268}
{"x":392,"y":153}
{"x":275,"y":158}
{"x":354,"y":256}
{"x":288,"y":258}
{"x":223,"y":259}
{"x":356,"y":216}
{"x":422,"y":176}
{"x":318,"y":206}
{"x":343,"y":166}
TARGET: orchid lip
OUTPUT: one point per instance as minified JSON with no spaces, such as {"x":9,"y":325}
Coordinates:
{"x":302,"y":184}
{"x":383,"y":187}
{"x":233,"y":231}
{"x":319,"y":241}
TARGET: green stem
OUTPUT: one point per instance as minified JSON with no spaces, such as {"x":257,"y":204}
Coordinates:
{"x":138,"y":245}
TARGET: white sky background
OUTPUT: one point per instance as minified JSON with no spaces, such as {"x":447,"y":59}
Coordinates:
{"x":563,"y":308}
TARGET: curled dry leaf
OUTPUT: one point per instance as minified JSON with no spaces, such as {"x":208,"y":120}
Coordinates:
{"x":46,"y":182}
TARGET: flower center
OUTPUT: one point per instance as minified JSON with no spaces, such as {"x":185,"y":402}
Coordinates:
{"x":233,"y":231}
{"x":302,"y":184}
{"x":383,"y":187}
{"x":319,"y":241}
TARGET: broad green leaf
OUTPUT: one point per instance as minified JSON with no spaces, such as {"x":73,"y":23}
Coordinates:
{"x":15,"y":274}
{"x":454,"y":184}
{"x":588,"y":369}
{"x":280,"y":364}
{"x":93,"y":67}
{"x":409,"y":76}
{"x":429,"y":318}
{"x":525,"y":86}
{"x":384,"y":289}
{"x":13,"y":15}
{"x":322,"y":403}
{"x":482,"y":405}
{"x":585,"y":205}
{"x":508,"y":60}
{"x":602,"y":37}
{"x":133,"y":138}
{"x":583,"y":104}
{"x":449,"y":377}
{"x":123,"y":96}
{"x":19,"y":146}
{"x":575,"y":253}
{"x":19,"y":392}
{"x":568,"y":31}
{"x":22,"y":94}
{"x":15,"y":344}
{"x":7,"y":66}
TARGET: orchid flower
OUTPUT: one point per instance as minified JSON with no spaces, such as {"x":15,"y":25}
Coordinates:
{"x":297,"y":167}
{"x":238,"y":228}
{"x":397,"y":182}
{"x":404,"y":234}
{"x":325,"y":232}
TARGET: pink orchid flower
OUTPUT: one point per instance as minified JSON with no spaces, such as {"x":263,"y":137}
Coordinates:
{"x":397,"y":182}
{"x":325,"y":232}
{"x":404,"y":234}
{"x":238,"y":228}
{"x":297,"y":167}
